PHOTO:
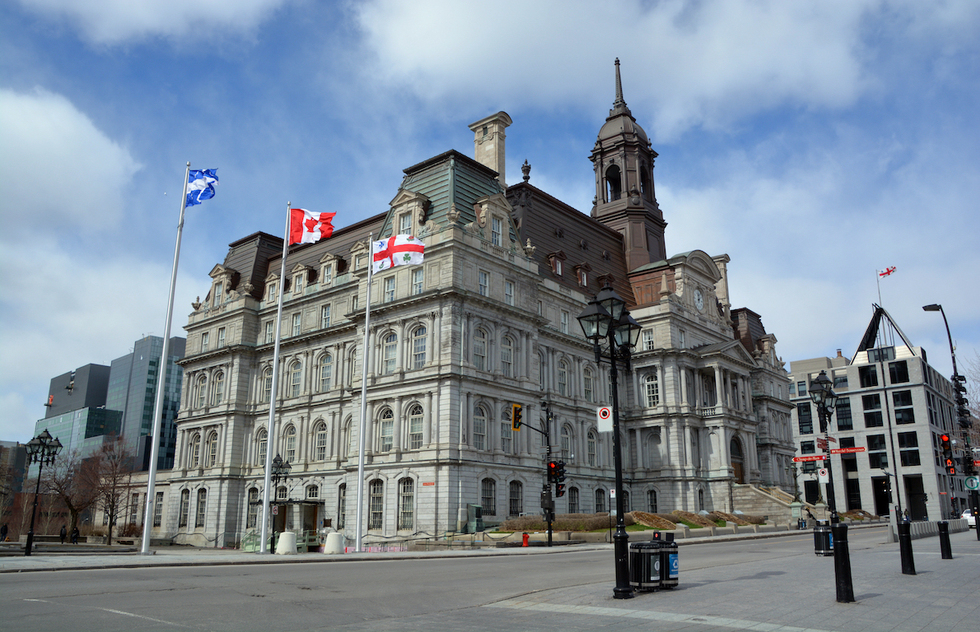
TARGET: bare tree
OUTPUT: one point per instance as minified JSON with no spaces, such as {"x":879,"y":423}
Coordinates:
{"x":114,"y":464}
{"x":75,"y":482}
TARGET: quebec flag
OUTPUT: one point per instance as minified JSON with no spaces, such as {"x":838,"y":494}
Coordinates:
{"x":200,"y":185}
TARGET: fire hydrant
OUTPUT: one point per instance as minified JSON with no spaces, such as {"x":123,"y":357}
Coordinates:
{"x":526,"y":538}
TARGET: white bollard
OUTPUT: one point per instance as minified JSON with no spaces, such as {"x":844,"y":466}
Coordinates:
{"x":334,"y":544}
{"x":286,"y":544}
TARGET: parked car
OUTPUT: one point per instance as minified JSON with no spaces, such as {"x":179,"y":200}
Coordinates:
{"x":970,"y":518}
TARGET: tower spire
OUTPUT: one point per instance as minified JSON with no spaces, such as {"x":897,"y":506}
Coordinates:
{"x":619,"y":105}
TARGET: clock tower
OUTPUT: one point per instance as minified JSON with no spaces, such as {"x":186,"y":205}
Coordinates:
{"x":625,"y":200}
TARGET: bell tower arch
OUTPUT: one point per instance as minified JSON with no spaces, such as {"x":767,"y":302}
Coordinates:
{"x":625,"y":198}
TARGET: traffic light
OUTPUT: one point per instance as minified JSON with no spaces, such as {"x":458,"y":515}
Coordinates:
{"x":962,"y":403}
{"x":559,"y":479}
{"x":947,"y":447}
{"x":559,"y":490}
{"x":552,"y":472}
{"x":516,"y":416}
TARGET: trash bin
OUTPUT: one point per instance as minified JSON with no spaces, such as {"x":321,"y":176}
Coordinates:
{"x":823,"y":540}
{"x":669,"y":563}
{"x":645,"y":565}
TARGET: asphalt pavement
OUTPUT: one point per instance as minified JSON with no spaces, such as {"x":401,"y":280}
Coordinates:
{"x":797,"y":595}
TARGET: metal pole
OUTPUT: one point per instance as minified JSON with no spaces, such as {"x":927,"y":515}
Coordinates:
{"x":37,"y":490}
{"x":842,"y":564}
{"x":365,"y":355}
{"x":162,"y":379}
{"x":623,"y":589}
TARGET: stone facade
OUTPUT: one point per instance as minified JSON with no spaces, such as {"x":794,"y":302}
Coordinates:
{"x":488,"y":320}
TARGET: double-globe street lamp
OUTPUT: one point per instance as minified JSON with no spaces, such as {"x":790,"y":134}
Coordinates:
{"x":823,"y":395}
{"x":41,"y":449}
{"x":280,"y":472}
{"x":613,"y":332}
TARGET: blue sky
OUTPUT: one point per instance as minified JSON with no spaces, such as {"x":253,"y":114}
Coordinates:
{"x":813,"y":142}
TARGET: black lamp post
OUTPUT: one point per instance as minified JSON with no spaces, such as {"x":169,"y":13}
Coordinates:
{"x":606,"y":321}
{"x":41,"y":449}
{"x":962,"y":412}
{"x":826,"y":400}
{"x":280,"y":472}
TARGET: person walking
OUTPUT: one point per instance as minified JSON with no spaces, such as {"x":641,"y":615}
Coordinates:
{"x":63,"y":534}
{"x":74,"y":535}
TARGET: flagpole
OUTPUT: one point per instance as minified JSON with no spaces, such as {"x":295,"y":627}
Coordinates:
{"x":162,"y":380}
{"x":270,"y":436}
{"x":361,"y":440}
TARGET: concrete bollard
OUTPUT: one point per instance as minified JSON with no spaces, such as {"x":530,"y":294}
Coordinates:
{"x":334,"y":543}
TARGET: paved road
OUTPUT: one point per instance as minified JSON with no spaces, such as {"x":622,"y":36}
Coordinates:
{"x":776,"y":582}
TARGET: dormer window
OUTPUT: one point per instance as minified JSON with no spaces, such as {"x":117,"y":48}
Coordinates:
{"x":405,"y":224}
{"x":557,"y":260}
{"x":582,"y":274}
{"x":298,"y":283}
{"x":496,"y":231}
{"x":270,"y":291}
{"x":218,"y":291}
{"x":326,"y":274}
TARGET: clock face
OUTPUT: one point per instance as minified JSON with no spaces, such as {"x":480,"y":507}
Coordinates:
{"x":699,"y":300}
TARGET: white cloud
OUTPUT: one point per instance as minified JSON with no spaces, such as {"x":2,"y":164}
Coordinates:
{"x":67,"y":173}
{"x":115,"y":21}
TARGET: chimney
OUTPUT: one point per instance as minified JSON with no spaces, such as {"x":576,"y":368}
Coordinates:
{"x":488,"y":143}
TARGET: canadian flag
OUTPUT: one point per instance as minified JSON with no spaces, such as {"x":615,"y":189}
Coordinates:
{"x":307,"y":227}
{"x":886,"y":271}
{"x":399,"y":250}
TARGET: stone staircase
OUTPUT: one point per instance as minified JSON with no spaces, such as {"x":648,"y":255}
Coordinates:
{"x":773,"y":502}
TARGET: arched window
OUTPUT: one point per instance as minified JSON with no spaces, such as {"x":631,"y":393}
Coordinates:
{"x":312,"y":492}
{"x":506,"y":433}
{"x":592,"y":443}
{"x":253,"y":508}
{"x":389,"y":352}
{"x":614,"y":183}
{"x":507,"y":356}
{"x":295,"y":378}
{"x":262,"y":445}
{"x":202,"y":508}
{"x":185,"y":502}
{"x":195,"y":453}
{"x":419,"y":339}
{"x":282,"y":493}
{"x":325,"y":371}
{"x":488,"y":496}
{"x":406,"y":503}
{"x":415,"y":427}
{"x":211,"y":450}
{"x":516,"y":498}
{"x":320,"y":442}
{"x":652,"y":501}
{"x":387,"y":430}
{"x":600,"y":500}
{"x":588,"y":386}
{"x":646,"y":188}
{"x":202,"y":392}
{"x":352,"y":367}
{"x":480,"y":350}
{"x":341,"y":504}
{"x":573,"y":507}
{"x":700,"y":500}
{"x":566,"y":443}
{"x":479,"y":428}
{"x":219,"y":388}
{"x":267,"y":385}
{"x":652,"y":389}
{"x":376,"y":504}
{"x":290,"y":444}
{"x":563,"y":378}
{"x":346,"y":443}
{"x":738,"y":460}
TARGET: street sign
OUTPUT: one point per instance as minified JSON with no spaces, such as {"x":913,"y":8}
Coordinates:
{"x":859,"y":448}
{"x":823,"y":475}
{"x":809,"y":457}
{"x":604,"y":419}
{"x":973,"y":483}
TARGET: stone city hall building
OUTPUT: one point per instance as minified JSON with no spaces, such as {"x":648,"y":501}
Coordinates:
{"x":488,"y":320}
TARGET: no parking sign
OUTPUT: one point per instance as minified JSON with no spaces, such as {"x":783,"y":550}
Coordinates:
{"x":604,"y":419}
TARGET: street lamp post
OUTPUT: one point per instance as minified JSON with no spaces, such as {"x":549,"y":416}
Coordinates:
{"x":962,"y":412}
{"x":825,"y":398}
{"x":41,"y":449}
{"x":280,"y":472}
{"x":606,"y":321}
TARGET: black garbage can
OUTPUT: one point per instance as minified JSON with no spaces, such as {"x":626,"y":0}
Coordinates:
{"x":645,"y":565}
{"x":669,"y":563}
{"x":823,"y":540}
